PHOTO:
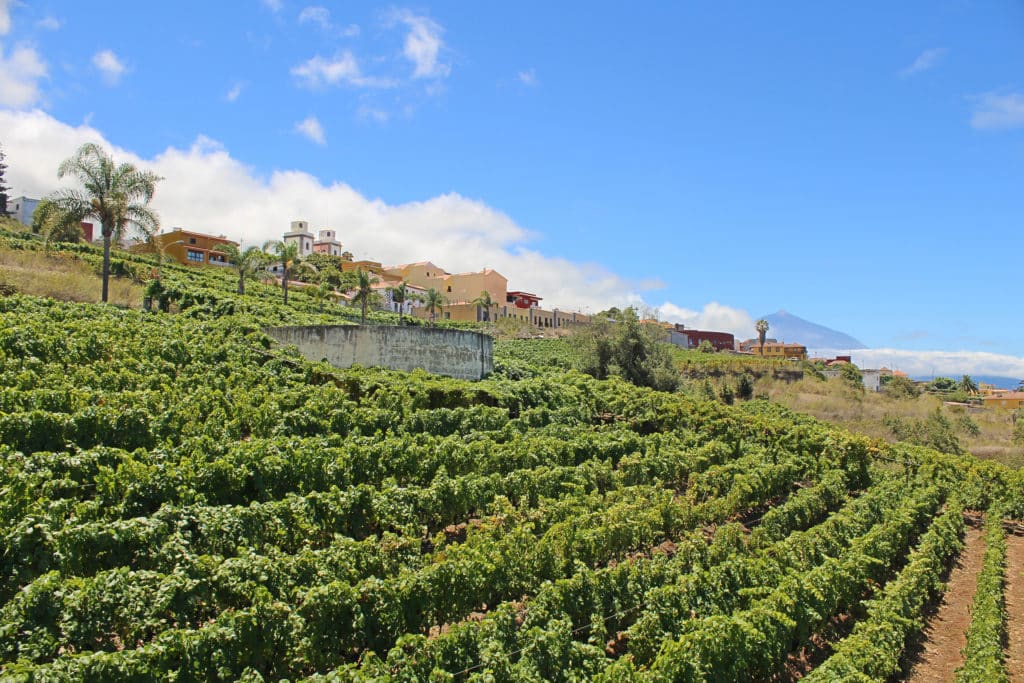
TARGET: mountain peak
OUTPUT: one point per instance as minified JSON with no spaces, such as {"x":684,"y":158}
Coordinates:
{"x":787,"y":327}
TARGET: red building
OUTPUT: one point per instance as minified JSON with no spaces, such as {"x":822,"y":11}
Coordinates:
{"x":522,"y":299}
{"x":86,"y":231}
{"x":721,"y":341}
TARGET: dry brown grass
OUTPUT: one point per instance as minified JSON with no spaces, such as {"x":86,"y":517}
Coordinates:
{"x":835,"y":402}
{"x":60,"y":276}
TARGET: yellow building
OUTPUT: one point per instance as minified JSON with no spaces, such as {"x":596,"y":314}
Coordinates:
{"x":457,"y":288}
{"x":187,"y":247}
{"x":780,"y":350}
{"x":1008,"y":399}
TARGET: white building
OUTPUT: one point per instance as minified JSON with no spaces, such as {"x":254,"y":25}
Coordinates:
{"x":301,"y":235}
{"x":22,"y":208}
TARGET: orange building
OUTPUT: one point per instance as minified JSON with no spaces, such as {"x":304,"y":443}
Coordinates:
{"x":187,"y":248}
{"x":1006,"y":399}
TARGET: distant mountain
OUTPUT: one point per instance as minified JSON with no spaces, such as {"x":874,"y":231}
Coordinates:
{"x":792,"y":329}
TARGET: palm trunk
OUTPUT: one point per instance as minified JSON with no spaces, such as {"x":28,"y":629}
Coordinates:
{"x":284,"y":285}
{"x":106,"y":266}
{"x":362,"y":319}
{"x":241,"y":283}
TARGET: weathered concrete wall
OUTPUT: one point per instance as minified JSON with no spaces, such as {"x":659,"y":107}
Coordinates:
{"x":455,"y":353}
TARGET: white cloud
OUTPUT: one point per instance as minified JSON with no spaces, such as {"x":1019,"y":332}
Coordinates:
{"x":714,"y":316}
{"x":310,"y":127}
{"x":109,"y":65}
{"x":49,"y":23}
{"x":343,"y":68}
{"x":528,"y":77}
{"x":5,"y":17}
{"x":458,"y":233}
{"x":316,"y":15}
{"x":927,"y":363}
{"x":423,"y":45}
{"x":350,"y":31}
{"x":926,"y":60}
{"x":272,"y":5}
{"x":19,"y":77}
{"x":993,"y":111}
{"x":236,"y":90}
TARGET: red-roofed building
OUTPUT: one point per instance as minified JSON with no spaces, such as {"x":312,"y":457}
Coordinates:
{"x":523,"y":299}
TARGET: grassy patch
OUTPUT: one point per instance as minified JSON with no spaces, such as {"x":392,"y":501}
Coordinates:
{"x":61,"y":276}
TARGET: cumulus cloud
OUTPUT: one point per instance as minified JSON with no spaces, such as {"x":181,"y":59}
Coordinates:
{"x":310,"y":127}
{"x":994,"y":111}
{"x":423,"y":45}
{"x":111,"y":68}
{"x":233,"y":94}
{"x":528,"y":77}
{"x":316,"y":15}
{"x":5,"y":17}
{"x":49,"y":23}
{"x":318,"y":72}
{"x":927,"y":363}
{"x":714,"y":316}
{"x":20,"y":74}
{"x":457,"y":232}
{"x":925,"y":61}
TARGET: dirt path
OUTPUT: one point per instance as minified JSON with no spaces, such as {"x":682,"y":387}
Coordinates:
{"x":1015,"y":606}
{"x":945,"y":634}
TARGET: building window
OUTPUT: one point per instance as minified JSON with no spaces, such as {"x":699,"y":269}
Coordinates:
{"x":191,"y":240}
{"x":449,"y":289}
{"x":447,"y":315}
{"x":195,"y":256}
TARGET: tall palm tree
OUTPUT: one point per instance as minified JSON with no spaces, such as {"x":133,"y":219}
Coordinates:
{"x":319,"y":294}
{"x":484,"y":301}
{"x":967,"y":385}
{"x":762,"y":332}
{"x":249,"y":263}
{"x":116,"y":195}
{"x":364,"y":290}
{"x":287,"y":254}
{"x":434,"y":303}
{"x":400,"y":295}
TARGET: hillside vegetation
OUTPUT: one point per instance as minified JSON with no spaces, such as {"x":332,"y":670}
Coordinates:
{"x":180,"y":498}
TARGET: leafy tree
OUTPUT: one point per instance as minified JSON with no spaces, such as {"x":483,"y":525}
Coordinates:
{"x":250,"y":263}
{"x":621,"y":346}
{"x":485,"y":302}
{"x":745,"y":387}
{"x":900,"y":388}
{"x":364,"y":292}
{"x":287,"y":255}
{"x":116,"y":195}
{"x":849,"y":373}
{"x":965,"y":424}
{"x":941,"y":385}
{"x":705,"y":346}
{"x":434,"y":303}
{"x":3,"y":186}
{"x":762,"y":333}
{"x":727,"y":395}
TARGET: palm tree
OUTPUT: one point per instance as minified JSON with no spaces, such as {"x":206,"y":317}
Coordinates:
{"x":400,"y":295}
{"x":434,"y":303}
{"x":117,"y":195}
{"x":54,"y":225}
{"x":364,"y":290}
{"x":287,"y":254}
{"x":762,"y":331}
{"x":249,"y":263}
{"x":484,"y":301}
{"x":967,"y":385}
{"x":319,"y":294}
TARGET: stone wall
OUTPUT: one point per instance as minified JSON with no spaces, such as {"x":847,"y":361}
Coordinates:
{"x":455,"y":353}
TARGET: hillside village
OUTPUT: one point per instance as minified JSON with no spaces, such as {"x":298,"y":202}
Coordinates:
{"x":484,"y":297}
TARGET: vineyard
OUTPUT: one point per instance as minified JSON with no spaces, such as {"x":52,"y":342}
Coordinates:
{"x":182,"y":500}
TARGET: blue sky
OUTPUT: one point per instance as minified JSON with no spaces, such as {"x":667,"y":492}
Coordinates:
{"x":860,"y":165}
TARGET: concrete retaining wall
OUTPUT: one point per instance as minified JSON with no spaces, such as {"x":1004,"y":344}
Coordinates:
{"x":455,"y":353}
